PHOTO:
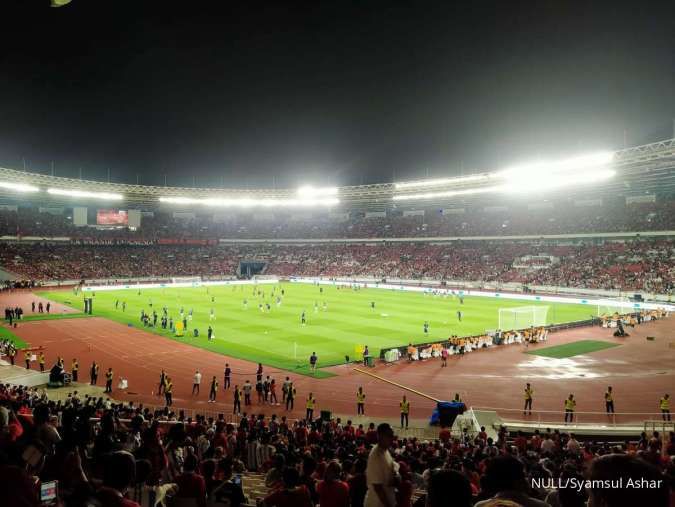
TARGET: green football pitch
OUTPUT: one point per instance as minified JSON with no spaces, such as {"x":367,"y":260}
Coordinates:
{"x":573,"y":349}
{"x":277,"y":337}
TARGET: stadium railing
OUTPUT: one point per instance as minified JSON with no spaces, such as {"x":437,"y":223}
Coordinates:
{"x":542,"y":419}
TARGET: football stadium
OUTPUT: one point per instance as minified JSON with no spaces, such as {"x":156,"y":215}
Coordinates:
{"x":495,"y":333}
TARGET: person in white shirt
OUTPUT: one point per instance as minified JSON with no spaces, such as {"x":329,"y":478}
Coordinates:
{"x":573,"y":445}
{"x":197,"y":380}
{"x":547,"y":445}
{"x":382,"y":471}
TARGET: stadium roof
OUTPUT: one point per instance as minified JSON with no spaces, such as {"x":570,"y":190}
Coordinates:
{"x":642,"y":169}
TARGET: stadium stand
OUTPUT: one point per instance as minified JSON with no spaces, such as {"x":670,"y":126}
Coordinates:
{"x":96,"y":448}
{"x":625,"y":265}
{"x":613,"y":216}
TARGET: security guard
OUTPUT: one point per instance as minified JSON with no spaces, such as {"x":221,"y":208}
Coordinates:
{"x":41,"y":361}
{"x":529,"y":393}
{"x":74,"y":367}
{"x":360,"y":401}
{"x":664,"y":405}
{"x":26,"y":356}
{"x":570,"y":405}
{"x":609,"y":401}
{"x":405,"y":411}
{"x":311,"y":403}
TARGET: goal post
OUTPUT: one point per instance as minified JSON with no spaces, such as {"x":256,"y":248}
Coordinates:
{"x":522,"y":317}
{"x":194,"y":280}
{"x":609,"y":307}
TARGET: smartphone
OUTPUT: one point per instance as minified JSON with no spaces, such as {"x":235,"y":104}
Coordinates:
{"x":237,"y":479}
{"x":49,"y":492}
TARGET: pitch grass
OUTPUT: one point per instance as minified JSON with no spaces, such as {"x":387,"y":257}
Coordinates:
{"x":278,"y":339}
{"x":7,"y":334}
{"x":54,"y":316}
{"x":573,"y":349}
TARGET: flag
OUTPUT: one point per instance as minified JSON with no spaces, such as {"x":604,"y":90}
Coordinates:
{"x":60,"y":3}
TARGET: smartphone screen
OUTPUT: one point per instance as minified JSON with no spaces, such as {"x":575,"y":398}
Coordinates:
{"x":237,"y":480}
{"x":48,"y":492}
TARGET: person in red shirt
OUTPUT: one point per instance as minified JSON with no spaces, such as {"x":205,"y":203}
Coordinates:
{"x":190,"y":483}
{"x":119,"y":473}
{"x":444,"y":435}
{"x":332,"y":491}
{"x":405,"y":487}
{"x":371,"y":434}
{"x":291,"y":495}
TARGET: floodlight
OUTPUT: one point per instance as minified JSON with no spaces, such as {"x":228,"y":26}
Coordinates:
{"x":449,"y":193}
{"x":248,"y":202}
{"x":83,"y":193}
{"x":310,"y":191}
{"x":543,"y":183}
{"x":441,"y":181}
{"x":578,"y":163}
{"x":18,"y":187}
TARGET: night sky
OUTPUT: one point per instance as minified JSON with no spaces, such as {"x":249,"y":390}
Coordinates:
{"x":326,"y":92}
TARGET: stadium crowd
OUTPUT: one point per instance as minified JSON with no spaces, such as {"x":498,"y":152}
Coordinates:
{"x":564,"y":218}
{"x":107,"y":454}
{"x":629,"y":265}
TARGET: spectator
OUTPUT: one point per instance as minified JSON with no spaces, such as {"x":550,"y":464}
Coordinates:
{"x":358,"y":486}
{"x":190,"y":483}
{"x":448,"y":488}
{"x":333,"y":492}
{"x":505,"y":480}
{"x":119,"y":476}
{"x":382,"y":471}
{"x":291,"y":495}
{"x":620,"y":472}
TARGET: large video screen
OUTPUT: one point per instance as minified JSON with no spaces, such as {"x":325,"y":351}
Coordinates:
{"x":111,"y":217}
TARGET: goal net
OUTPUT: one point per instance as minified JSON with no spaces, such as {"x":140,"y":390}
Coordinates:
{"x":194,"y":280}
{"x":620,"y":305}
{"x":522,"y":317}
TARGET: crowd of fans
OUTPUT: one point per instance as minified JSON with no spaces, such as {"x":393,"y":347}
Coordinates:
{"x":108,"y":454}
{"x":564,"y":218}
{"x":630,"y":265}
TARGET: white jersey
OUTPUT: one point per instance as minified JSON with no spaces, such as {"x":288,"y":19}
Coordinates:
{"x":198,"y":378}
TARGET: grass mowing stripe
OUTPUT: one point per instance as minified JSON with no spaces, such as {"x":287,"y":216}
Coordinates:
{"x":573,"y":349}
{"x":275,"y":337}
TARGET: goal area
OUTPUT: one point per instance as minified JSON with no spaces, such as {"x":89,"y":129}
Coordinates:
{"x":194,"y":280}
{"x":522,"y":317}
{"x":621,"y":305}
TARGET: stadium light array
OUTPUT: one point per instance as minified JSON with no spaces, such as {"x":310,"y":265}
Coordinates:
{"x":83,"y":193}
{"x":543,"y":167}
{"x":246,"y":202}
{"x":310,"y":191}
{"x":448,"y":193}
{"x":539,"y":176}
{"x":18,"y":187}
{"x":555,"y":181}
{"x":441,"y":181}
